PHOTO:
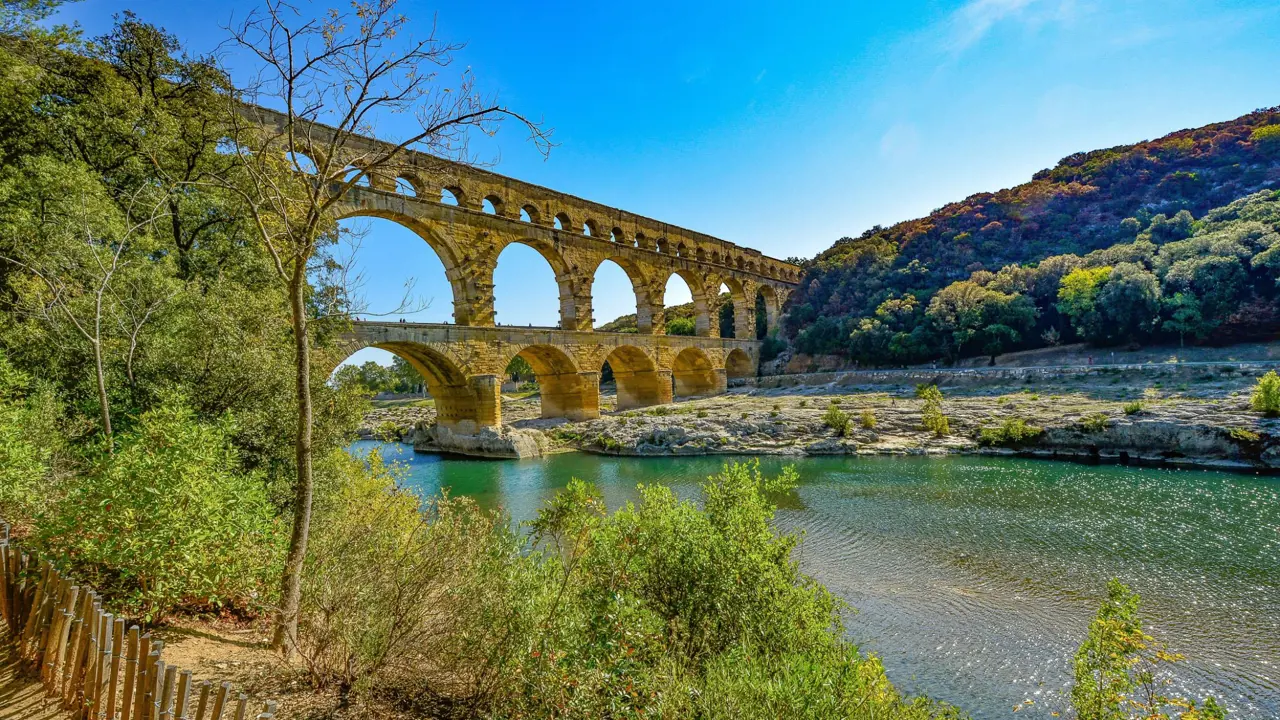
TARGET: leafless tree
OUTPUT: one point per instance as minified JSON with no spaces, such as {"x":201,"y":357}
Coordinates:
{"x":331,"y":78}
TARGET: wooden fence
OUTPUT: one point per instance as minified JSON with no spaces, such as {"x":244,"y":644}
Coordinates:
{"x":88,"y":662}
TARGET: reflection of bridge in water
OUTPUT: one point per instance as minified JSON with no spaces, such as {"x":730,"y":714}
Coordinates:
{"x":468,"y":216}
{"x":464,"y":366}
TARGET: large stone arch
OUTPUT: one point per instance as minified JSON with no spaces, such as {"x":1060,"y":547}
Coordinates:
{"x":640,"y":382}
{"x":565,"y":389}
{"x":694,"y":373}
{"x":744,"y":306}
{"x":464,"y":402}
{"x":738,"y":364}
{"x":772,"y":303}
{"x":640,"y":280}
{"x":702,"y":320}
{"x":566,"y":283}
{"x":467,"y":290}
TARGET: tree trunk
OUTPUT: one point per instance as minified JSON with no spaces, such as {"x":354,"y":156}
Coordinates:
{"x":285,"y":636}
{"x":103,"y":402}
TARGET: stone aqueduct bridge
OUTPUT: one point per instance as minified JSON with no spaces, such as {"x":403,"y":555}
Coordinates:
{"x":463,"y":363}
{"x":464,"y":366}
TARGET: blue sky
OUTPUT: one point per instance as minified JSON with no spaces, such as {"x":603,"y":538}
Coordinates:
{"x":786,"y":125}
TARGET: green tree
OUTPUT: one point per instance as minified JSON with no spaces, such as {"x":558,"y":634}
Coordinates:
{"x":1115,"y":669}
{"x":1185,"y":318}
{"x":1129,"y":301}
{"x":1266,"y":395}
{"x":1267,"y":138}
{"x":931,"y":415}
{"x":967,"y":315}
{"x":681,"y":326}
{"x":1077,"y":300}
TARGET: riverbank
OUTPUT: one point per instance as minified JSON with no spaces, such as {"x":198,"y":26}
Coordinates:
{"x":1188,"y":416}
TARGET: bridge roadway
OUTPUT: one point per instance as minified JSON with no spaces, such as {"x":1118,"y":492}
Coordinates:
{"x":464,"y":366}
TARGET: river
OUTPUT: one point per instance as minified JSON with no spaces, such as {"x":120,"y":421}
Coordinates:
{"x":975,"y":578}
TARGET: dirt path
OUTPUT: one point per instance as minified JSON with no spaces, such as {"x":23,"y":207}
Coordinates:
{"x":22,"y":698}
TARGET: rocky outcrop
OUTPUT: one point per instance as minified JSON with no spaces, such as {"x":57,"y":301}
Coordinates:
{"x":504,"y":442}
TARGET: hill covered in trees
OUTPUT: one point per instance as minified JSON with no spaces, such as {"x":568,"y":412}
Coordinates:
{"x":1161,"y":240}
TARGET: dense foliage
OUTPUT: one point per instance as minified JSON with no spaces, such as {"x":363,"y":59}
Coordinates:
{"x":145,"y":386}
{"x":666,"y":608}
{"x":1170,"y":239}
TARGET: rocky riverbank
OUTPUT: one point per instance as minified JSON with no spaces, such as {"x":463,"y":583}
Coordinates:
{"x":1132,"y":417}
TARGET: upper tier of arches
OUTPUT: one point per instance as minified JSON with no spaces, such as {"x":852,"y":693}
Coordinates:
{"x":434,"y":180}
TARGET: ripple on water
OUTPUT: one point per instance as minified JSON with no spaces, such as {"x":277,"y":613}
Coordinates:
{"x":975,"y":579}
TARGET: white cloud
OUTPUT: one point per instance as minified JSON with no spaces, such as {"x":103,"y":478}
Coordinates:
{"x":969,"y":24}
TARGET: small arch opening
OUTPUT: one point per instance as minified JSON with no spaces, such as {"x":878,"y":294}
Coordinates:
{"x":301,"y":163}
{"x":529,"y":214}
{"x":451,"y":196}
{"x":589,"y":228}
{"x":617,"y":236}
{"x":492,"y":205}
{"x":352,"y":172}
{"x":561,"y":221}
{"x":405,"y":186}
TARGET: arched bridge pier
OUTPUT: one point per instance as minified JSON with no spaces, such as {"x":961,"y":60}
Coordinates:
{"x":464,"y":366}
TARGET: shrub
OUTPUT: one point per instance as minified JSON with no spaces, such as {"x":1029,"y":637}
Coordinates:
{"x":1133,"y":408}
{"x":1097,"y":422}
{"x":169,"y":518}
{"x":399,"y":592}
{"x":836,"y":419}
{"x":31,"y":445}
{"x":681,"y":326}
{"x":932,"y":418}
{"x":1244,"y":435}
{"x":1013,"y":431}
{"x":1266,"y":395}
{"x":702,"y":413}
{"x":771,"y":348}
{"x":1117,"y":670}
{"x":868,"y":420}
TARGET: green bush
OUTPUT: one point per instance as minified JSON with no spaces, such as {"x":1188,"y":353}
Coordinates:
{"x":1012,"y":432}
{"x":168,"y":519}
{"x":932,"y":418}
{"x":1244,"y":435}
{"x":836,"y":419}
{"x":868,"y":420}
{"x":31,"y":445}
{"x":1266,"y":395}
{"x":1118,"y":669}
{"x":1097,"y":422}
{"x":1133,"y":408}
{"x":679,"y":608}
{"x":681,"y":326}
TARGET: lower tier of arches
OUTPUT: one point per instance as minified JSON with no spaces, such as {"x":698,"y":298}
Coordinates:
{"x":464,"y":368}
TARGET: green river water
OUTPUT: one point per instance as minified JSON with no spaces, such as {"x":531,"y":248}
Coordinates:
{"x":975,"y":578}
